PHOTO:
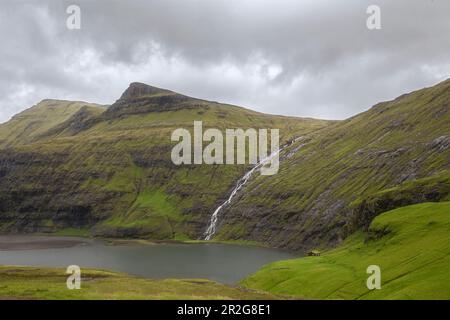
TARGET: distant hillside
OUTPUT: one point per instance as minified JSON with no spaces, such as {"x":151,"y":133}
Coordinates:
{"x":110,"y":172}
{"x":334,"y":181}
{"x":29,"y":124}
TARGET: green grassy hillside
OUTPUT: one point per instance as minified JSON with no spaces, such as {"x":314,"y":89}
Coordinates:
{"x":37,"y":120}
{"x":329,"y":181}
{"x":411,"y":245}
{"x":50,"y":283}
{"x":111,"y":172}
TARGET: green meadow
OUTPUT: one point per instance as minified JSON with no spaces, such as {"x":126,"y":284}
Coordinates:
{"x":50,"y":283}
{"x":411,"y":245}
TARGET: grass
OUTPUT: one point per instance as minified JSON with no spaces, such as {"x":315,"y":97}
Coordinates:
{"x":154,"y":214}
{"x":37,"y":120}
{"x":50,"y":283}
{"x":411,"y":245}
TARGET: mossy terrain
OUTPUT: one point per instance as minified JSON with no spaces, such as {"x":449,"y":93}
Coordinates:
{"x":329,"y":182}
{"x":30,"y":124}
{"x":50,"y":283}
{"x":110,"y":171}
{"x":411,"y":245}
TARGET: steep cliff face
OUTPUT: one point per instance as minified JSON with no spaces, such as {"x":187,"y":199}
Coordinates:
{"x":334,"y":181}
{"x":110,"y":171}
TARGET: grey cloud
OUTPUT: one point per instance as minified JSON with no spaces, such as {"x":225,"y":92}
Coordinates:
{"x":304,"y":58}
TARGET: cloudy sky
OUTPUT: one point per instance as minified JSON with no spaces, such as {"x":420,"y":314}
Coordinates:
{"x":312,"y":58}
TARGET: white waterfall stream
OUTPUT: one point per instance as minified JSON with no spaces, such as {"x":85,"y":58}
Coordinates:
{"x":211,"y":230}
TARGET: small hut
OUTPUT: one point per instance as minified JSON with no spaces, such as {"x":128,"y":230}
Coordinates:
{"x":313,"y":253}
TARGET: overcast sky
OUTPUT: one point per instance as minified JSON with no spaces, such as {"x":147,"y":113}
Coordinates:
{"x":313,"y":58}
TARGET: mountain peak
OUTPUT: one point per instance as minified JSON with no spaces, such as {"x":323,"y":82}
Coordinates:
{"x":141,"y":98}
{"x":138,"y":89}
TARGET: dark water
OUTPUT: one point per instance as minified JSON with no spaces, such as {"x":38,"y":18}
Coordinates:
{"x":219,"y":262}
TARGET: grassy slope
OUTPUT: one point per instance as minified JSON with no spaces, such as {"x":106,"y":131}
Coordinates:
{"x":309,"y":202}
{"x":50,"y":283}
{"x":410,"y":244}
{"x":116,"y":172}
{"x":29,"y":124}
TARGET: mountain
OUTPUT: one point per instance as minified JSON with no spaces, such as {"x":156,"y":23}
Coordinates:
{"x":29,"y":124}
{"x":83,"y":168}
{"x":334,"y":181}
{"x":108,"y":171}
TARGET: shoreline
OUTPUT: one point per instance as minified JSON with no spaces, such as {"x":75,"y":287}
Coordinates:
{"x":36,"y":241}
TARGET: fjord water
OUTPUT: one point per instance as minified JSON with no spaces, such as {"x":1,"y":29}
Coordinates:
{"x":219,"y":262}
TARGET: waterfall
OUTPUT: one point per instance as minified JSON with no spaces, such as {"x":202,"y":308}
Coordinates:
{"x":211,"y":230}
